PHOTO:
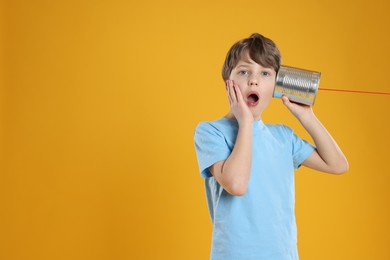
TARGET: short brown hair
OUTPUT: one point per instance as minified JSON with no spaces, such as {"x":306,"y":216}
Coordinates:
{"x":261,"y":50}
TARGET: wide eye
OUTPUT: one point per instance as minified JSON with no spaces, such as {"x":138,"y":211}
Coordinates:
{"x":265,"y":73}
{"x":243,"y":72}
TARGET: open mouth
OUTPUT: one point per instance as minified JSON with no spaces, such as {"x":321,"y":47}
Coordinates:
{"x":253,"y":99}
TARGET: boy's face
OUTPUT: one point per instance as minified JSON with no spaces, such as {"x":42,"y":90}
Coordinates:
{"x":255,"y":82}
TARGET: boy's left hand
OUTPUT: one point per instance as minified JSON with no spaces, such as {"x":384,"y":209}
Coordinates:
{"x":300,"y":111}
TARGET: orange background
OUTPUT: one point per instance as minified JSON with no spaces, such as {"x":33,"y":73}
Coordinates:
{"x":99,"y":101}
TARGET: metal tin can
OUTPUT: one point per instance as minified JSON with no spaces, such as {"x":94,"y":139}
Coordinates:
{"x":298,"y":85}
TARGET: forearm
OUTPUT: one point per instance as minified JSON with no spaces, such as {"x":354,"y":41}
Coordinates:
{"x":326,"y":147}
{"x":235,"y":172}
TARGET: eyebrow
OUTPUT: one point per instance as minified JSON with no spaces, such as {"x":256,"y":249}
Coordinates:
{"x":242,"y":65}
{"x":247,"y":65}
{"x":247,"y":62}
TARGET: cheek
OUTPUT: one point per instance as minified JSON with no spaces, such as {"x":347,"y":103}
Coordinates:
{"x":238,"y":81}
{"x":270,"y":90}
{"x":234,"y":78}
{"x":270,"y":87}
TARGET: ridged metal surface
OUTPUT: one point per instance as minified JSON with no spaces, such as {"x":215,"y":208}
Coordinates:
{"x":298,"y":84}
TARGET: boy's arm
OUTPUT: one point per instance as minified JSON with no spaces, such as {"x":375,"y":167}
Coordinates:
{"x":327,"y":157}
{"x":233,"y":173}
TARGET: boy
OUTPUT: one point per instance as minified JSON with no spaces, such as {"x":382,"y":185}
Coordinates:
{"x":248,"y":166}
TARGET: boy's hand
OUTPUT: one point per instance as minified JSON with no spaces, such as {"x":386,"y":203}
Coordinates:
{"x":238,"y":106}
{"x":300,"y":111}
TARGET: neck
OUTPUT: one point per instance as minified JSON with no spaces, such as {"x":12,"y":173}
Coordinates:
{"x":230,"y":115}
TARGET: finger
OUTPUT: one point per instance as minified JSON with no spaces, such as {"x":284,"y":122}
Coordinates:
{"x":240,"y":98}
{"x":228,"y":92}
{"x":232,"y":92}
{"x":285,"y":99}
{"x":287,"y":103}
{"x":227,"y":86}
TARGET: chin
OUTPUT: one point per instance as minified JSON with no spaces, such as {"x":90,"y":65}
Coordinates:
{"x":256,"y":114}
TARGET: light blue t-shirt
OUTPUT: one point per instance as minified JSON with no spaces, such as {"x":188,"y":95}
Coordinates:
{"x":259,"y":225}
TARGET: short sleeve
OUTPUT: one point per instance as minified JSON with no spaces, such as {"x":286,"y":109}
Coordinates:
{"x":211,"y":147}
{"x":301,"y":149}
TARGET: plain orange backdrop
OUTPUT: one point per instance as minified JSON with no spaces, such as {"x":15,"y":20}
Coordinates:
{"x":99,"y":101}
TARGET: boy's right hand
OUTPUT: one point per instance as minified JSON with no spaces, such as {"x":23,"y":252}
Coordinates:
{"x":238,"y":106}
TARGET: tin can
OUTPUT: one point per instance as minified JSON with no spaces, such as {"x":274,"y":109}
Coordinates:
{"x":298,"y":85}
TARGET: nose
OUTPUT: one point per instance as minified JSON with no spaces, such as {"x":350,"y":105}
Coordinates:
{"x":253,"y":81}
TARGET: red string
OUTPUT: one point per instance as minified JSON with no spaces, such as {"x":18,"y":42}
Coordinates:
{"x":355,"y":91}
